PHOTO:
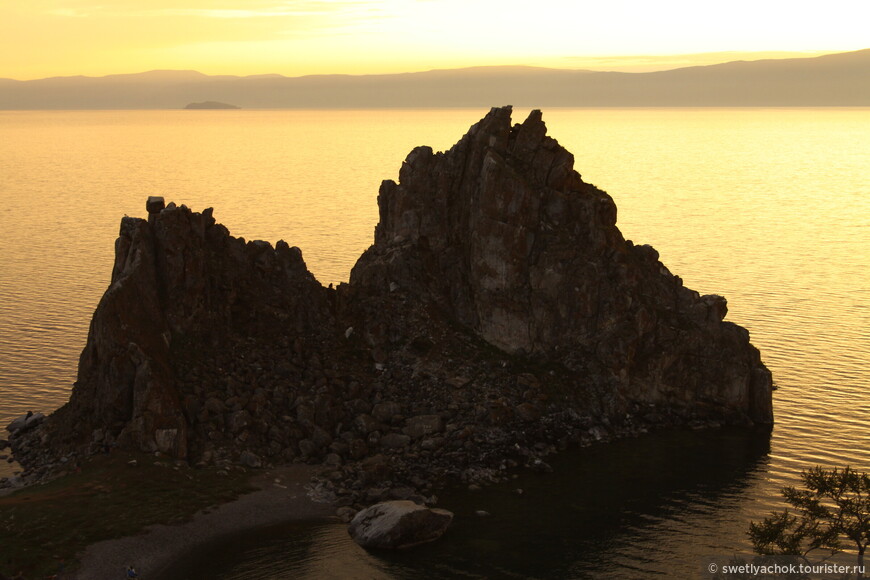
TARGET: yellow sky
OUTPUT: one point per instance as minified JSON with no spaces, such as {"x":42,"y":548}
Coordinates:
{"x":40,"y":38}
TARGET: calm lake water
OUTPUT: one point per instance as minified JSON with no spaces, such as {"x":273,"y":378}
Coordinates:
{"x":768,"y":207}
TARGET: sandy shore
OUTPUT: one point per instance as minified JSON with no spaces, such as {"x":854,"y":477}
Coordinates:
{"x":281,"y":498}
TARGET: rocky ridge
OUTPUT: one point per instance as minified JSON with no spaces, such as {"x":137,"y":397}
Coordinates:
{"x":499,"y":315}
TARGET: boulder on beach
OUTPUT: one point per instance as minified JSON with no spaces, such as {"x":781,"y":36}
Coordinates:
{"x":398,"y":524}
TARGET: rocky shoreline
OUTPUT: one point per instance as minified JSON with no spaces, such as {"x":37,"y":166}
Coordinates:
{"x":499,"y":316}
{"x":280,"y":497}
{"x":473,"y":428}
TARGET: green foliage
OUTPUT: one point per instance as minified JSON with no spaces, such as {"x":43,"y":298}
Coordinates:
{"x":788,"y":535}
{"x":831,"y":511}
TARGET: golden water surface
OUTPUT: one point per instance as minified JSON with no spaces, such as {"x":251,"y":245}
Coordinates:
{"x":768,"y":207}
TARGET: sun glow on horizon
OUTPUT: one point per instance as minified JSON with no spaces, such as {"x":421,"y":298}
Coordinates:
{"x":296,"y":37}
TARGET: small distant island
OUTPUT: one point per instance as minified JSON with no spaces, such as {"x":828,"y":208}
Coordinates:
{"x":211,"y":105}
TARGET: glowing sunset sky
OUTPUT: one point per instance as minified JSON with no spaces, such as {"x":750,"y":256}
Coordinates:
{"x":40,"y":38}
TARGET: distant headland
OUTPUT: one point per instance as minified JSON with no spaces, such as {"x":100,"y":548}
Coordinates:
{"x":832,"y":80}
{"x":210,"y":105}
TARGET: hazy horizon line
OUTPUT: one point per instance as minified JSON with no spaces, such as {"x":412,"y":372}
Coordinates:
{"x":664,"y":65}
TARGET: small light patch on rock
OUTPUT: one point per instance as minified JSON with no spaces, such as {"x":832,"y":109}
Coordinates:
{"x":398,"y":524}
{"x":251,"y":460}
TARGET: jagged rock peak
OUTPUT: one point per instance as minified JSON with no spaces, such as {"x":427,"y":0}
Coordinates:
{"x":490,"y":144}
{"x":504,"y":220}
{"x":502,"y":236}
{"x":182,"y":288}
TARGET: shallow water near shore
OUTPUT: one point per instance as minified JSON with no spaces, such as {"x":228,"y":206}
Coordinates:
{"x":571,"y":523}
{"x":768,"y":207}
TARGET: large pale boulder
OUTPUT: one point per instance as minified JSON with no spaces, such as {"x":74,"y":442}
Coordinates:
{"x":398,"y":524}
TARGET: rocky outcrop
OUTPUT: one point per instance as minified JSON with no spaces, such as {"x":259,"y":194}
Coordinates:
{"x":182,"y":289}
{"x":398,"y":524}
{"x":501,"y":236}
{"x":499,"y":315}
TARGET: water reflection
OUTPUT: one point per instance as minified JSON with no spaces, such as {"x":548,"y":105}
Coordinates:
{"x":713,"y":190}
{"x":292,"y":550}
{"x":633,"y":507}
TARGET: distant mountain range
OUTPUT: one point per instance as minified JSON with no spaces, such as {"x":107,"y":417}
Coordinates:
{"x":841,"y":79}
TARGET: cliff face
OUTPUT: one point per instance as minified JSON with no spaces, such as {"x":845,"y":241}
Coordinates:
{"x":181,"y":289}
{"x":499,"y":312}
{"x":505,"y":238}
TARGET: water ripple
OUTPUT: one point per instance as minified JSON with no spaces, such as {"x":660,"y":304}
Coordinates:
{"x":715,"y":191}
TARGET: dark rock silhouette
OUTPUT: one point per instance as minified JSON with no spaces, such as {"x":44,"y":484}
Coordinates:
{"x":181,"y":286}
{"x":499,"y":315}
{"x":502,"y":236}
